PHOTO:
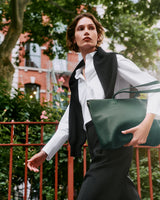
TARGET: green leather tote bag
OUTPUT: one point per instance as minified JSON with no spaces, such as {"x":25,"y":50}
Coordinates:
{"x":111,"y":116}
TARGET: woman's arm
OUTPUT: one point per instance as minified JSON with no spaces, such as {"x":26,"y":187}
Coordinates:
{"x":59,"y":138}
{"x":54,"y":144}
{"x":133,"y":75}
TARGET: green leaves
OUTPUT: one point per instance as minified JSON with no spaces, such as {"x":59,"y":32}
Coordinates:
{"x":20,"y":107}
{"x":126,"y":23}
{"x":139,"y":42}
{"x":144,"y":173}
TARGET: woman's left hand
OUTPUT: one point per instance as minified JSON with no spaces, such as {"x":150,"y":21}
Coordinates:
{"x":140,"y":132}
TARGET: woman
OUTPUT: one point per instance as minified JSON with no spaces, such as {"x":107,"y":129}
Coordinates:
{"x":98,"y":76}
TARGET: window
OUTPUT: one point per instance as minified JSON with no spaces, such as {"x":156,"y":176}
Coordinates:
{"x":33,"y":90}
{"x":59,"y":65}
{"x":33,"y":55}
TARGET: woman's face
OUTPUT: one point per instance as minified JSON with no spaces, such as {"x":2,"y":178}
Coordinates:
{"x":86,"y":35}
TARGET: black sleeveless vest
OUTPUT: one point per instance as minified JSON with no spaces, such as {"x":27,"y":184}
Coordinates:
{"x":106,"y":68}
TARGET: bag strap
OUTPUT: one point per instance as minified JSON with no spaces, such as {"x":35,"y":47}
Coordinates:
{"x":126,"y":90}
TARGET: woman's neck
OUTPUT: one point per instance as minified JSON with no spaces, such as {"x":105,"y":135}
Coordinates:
{"x":84,"y":52}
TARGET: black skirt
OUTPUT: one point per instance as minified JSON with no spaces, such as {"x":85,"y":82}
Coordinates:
{"x":107,"y":177}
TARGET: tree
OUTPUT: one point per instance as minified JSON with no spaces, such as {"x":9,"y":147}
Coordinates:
{"x":45,"y":21}
{"x":131,"y":24}
{"x":15,"y":21}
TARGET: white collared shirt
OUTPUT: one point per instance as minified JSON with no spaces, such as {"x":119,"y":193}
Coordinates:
{"x":90,"y":88}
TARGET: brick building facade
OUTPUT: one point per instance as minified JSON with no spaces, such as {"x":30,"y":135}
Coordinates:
{"x":36,"y":74}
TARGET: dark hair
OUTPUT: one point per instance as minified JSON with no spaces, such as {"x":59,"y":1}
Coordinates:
{"x":71,"y":31}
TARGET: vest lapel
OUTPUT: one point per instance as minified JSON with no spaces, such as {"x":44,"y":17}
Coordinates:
{"x":77,"y":135}
{"x":106,"y":69}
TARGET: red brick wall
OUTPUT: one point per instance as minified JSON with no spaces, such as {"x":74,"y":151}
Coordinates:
{"x":40,"y":79}
{"x":72,"y":60}
{"x":40,"y":74}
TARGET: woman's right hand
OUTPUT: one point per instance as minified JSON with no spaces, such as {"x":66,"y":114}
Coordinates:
{"x":36,"y":161}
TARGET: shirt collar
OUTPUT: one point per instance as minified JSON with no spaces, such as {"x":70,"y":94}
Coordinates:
{"x":90,"y":55}
{"x":79,"y":71}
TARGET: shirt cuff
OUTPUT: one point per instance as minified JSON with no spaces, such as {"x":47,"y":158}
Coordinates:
{"x":55,"y":143}
{"x":153,"y":105}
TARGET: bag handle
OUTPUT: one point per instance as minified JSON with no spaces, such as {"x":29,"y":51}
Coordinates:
{"x":126,"y":90}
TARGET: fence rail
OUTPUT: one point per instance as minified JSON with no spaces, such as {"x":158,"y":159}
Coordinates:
{"x":11,"y":144}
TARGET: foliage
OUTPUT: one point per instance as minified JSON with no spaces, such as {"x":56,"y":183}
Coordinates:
{"x":144,"y":173}
{"x":126,"y":22}
{"x":140,"y":43}
{"x":20,"y":107}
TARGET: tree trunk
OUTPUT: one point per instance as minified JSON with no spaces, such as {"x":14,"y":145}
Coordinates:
{"x":14,"y":31}
{"x":6,"y":72}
